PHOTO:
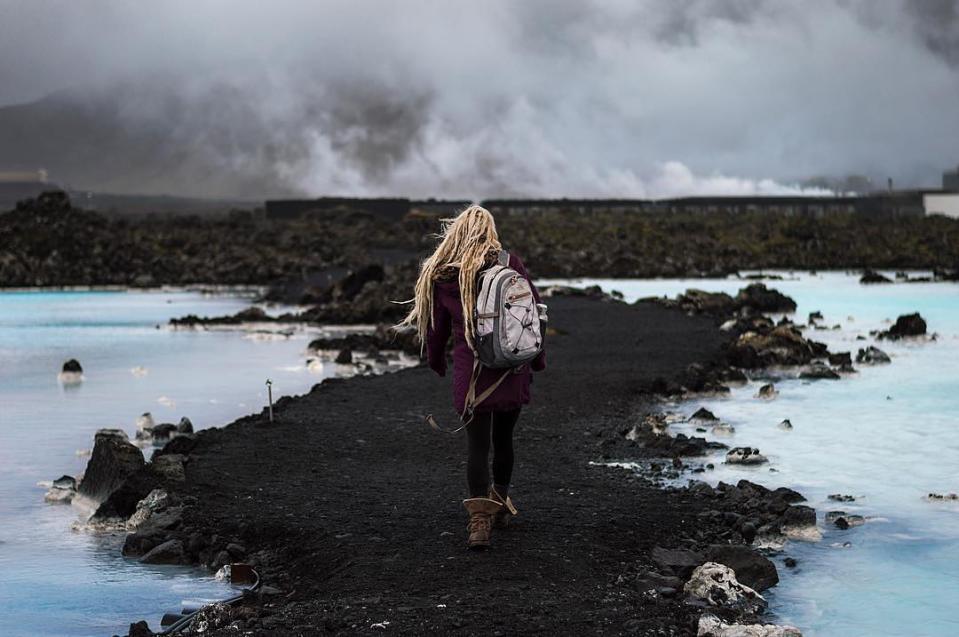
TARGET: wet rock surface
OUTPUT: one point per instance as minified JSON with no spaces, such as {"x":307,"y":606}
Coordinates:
{"x":905,"y":326}
{"x":112,"y":462}
{"x":872,"y":356}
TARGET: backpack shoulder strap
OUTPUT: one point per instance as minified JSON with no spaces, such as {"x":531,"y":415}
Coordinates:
{"x":503,"y":258}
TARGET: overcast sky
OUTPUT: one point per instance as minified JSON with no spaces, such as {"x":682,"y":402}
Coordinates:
{"x":549,"y":97}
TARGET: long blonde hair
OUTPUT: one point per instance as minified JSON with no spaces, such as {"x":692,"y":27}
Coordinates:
{"x":465,"y":242}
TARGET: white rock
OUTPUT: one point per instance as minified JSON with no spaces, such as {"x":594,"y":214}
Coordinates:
{"x":723,"y":429}
{"x":716,"y":585}
{"x":712,"y":626}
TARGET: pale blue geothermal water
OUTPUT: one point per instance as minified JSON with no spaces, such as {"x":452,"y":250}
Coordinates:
{"x":888,"y":435}
{"x":54,"y":581}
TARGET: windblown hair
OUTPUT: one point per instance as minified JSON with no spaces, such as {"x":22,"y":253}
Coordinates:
{"x":465,"y":243}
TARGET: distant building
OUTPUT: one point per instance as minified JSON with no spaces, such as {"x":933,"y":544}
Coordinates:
{"x":394,"y":209}
{"x":24,"y":176}
{"x":950,"y":180}
{"x":942,"y":203}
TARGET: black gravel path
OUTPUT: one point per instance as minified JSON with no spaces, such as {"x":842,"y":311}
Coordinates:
{"x":352,"y":505}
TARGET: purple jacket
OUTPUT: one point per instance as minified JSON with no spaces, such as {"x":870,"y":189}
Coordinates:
{"x":448,"y":319}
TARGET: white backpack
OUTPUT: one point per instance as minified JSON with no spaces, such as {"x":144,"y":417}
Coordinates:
{"x":509,"y":328}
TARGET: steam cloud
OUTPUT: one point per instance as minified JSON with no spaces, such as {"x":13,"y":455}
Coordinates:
{"x":533,"y":98}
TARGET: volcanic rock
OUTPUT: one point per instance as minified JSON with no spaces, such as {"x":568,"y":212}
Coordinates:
{"x":767,"y":391}
{"x":185,"y":426}
{"x":677,"y":561}
{"x":746,"y":456}
{"x":703,"y":414}
{"x":819,"y":371}
{"x":872,"y":356}
{"x":762,"y":299}
{"x":717,"y":585}
{"x":840,"y":358}
{"x":113,"y":461}
{"x":752,"y":568}
{"x":170,"y":552}
{"x":906,"y":325}
{"x":871,"y":276}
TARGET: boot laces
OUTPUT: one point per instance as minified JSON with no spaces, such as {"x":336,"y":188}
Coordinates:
{"x":479,"y":522}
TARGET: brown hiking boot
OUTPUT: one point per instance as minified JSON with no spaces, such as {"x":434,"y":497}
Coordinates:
{"x":502,"y":517}
{"x":481,"y":512}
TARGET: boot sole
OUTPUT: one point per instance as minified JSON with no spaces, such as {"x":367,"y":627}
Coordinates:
{"x":478,"y":546}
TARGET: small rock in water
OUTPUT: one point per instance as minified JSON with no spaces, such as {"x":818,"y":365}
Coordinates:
{"x":61,"y":491}
{"x":840,"y":358}
{"x":790,"y":562}
{"x":703,"y":414}
{"x":71,"y":373}
{"x":906,"y":325}
{"x":785,"y":425}
{"x":839,"y":497}
{"x":843,"y":520}
{"x":872,"y":356}
{"x":815,"y":316}
{"x":871,"y":276}
{"x":345,"y":357}
{"x":943,"y":496}
{"x":767,"y":391}
{"x":746,"y":456}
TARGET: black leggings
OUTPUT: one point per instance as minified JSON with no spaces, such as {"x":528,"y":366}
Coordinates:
{"x":496,"y":426}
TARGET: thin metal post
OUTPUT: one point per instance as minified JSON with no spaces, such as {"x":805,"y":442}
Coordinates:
{"x":269,"y":391}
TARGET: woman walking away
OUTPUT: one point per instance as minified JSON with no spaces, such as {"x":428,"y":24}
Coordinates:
{"x":497,"y":341}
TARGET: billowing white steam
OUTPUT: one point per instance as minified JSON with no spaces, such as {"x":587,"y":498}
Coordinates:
{"x":478,"y":99}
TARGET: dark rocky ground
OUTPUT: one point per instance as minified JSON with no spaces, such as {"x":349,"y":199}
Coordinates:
{"x":350,"y":505}
{"x":49,"y":242}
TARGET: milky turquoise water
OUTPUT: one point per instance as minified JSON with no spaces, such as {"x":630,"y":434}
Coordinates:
{"x":887,"y":435}
{"x":54,"y":581}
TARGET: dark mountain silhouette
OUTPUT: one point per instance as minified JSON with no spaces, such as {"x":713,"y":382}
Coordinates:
{"x":128,"y":140}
